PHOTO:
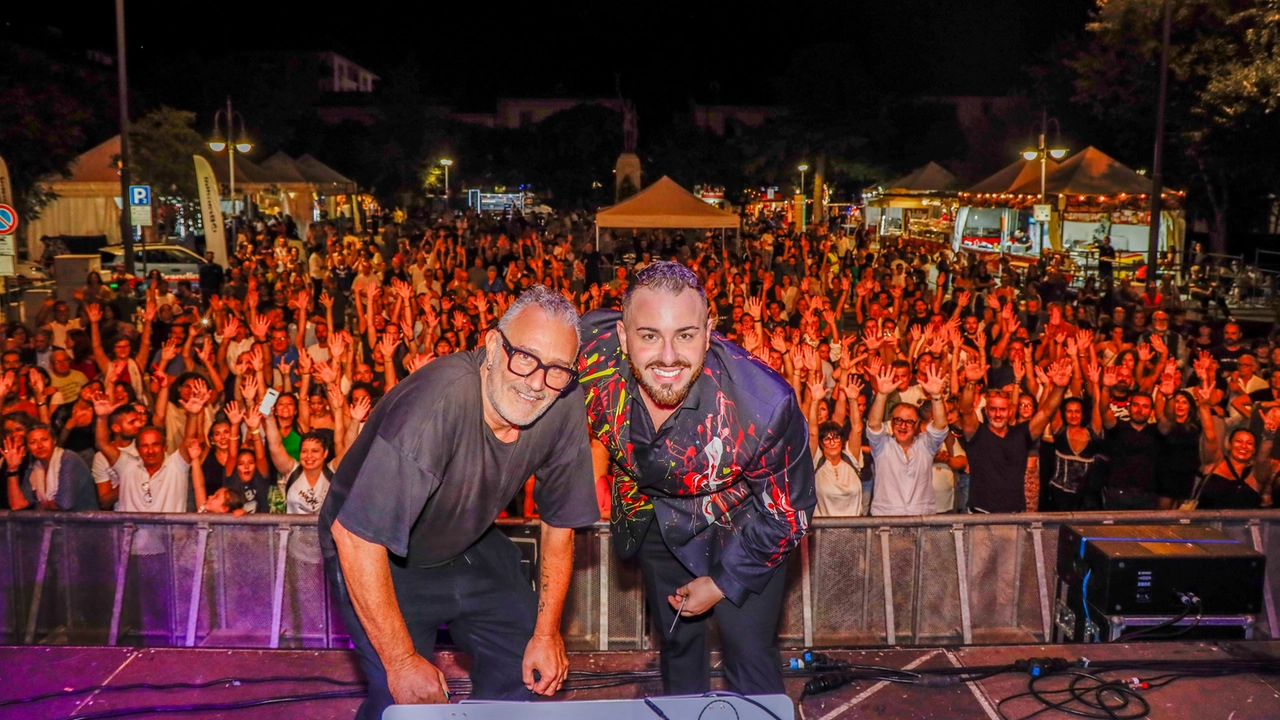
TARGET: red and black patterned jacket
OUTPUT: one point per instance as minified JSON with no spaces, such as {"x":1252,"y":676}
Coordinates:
{"x":729,"y":476}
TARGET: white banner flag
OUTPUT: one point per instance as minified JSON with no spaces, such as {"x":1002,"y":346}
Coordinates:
{"x":6,"y":191}
{"x":215,"y":239}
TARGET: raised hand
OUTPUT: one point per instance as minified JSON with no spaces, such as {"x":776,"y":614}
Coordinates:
{"x":169,"y":350}
{"x":388,"y":347}
{"x":883,"y":381}
{"x":1158,"y":344}
{"x":249,"y":388}
{"x":231,"y":328}
{"x":817,"y":388}
{"x":1060,"y":373}
{"x":1110,"y":376}
{"x":15,"y":448}
{"x":1169,"y":380}
{"x":326,"y":372}
{"x":253,"y":418}
{"x":160,"y":377}
{"x":402,"y":288}
{"x":872,"y":338}
{"x":95,"y":313}
{"x":778,"y":340}
{"x":1019,"y":370}
{"x":1093,"y":372}
{"x":1144,"y":352}
{"x":1271,"y":420}
{"x":200,"y":395}
{"x":1072,"y":348}
{"x":286,"y":367}
{"x":235,"y":415}
{"x":853,"y":388}
{"x":326,"y":299}
{"x":934,"y":382}
{"x":260,"y":327}
{"x":975,"y":371}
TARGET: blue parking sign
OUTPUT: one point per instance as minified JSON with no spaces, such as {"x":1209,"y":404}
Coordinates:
{"x":140,"y":195}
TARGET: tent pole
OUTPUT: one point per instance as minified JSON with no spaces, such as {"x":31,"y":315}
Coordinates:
{"x":597,"y":237}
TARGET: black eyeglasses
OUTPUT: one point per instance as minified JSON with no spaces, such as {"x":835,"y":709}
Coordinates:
{"x":521,"y":363}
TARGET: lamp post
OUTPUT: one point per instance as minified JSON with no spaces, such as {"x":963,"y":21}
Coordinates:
{"x":1043,"y":152}
{"x":803,"y":168}
{"x":446,"y":162}
{"x":122,"y":81}
{"x":232,"y":145}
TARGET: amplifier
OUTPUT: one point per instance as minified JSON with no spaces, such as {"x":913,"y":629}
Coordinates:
{"x":1140,"y":569}
{"x":1123,"y":573}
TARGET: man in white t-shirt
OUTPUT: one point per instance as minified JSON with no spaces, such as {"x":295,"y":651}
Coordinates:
{"x":124,"y":423}
{"x":903,"y":454}
{"x":149,"y":481}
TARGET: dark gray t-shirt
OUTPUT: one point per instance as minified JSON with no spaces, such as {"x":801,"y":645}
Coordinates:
{"x":426,"y":477}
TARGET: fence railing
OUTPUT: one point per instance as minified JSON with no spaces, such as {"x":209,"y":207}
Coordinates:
{"x":258,"y":581}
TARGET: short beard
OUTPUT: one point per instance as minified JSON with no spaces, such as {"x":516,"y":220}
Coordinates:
{"x":491,"y":390}
{"x":667,"y":398}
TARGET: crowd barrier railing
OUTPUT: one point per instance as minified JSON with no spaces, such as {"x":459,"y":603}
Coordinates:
{"x":258,"y":581}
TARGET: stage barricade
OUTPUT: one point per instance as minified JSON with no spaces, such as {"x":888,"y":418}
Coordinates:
{"x":258,"y":581}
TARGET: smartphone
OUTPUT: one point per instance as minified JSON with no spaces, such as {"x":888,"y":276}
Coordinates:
{"x":268,"y":401}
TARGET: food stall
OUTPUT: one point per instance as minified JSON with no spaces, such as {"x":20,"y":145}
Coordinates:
{"x":1090,"y":196}
{"x":921,"y":205}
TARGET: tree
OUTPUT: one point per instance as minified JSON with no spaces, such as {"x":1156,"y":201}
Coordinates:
{"x":49,"y":113}
{"x":161,"y":145}
{"x":1221,"y":126}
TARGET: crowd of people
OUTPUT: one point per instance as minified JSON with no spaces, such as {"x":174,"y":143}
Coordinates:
{"x":932,"y":382}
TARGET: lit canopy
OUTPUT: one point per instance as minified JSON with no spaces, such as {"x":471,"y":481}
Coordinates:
{"x":1090,"y":172}
{"x":1018,"y":174}
{"x":665,"y":204}
{"x":930,"y":178}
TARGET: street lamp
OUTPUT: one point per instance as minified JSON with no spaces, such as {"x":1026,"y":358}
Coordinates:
{"x":230,"y":143}
{"x":803,"y":209}
{"x":446,"y":163}
{"x":1043,"y":152}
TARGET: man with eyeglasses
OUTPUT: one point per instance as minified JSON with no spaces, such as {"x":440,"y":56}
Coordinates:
{"x":903,"y":454}
{"x":407,"y":528}
{"x":712,"y":475}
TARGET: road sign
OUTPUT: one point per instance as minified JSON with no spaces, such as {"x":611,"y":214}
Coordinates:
{"x":1042,"y":213}
{"x":8,"y":219}
{"x":140,"y":205}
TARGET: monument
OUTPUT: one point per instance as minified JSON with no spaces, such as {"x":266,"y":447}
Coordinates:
{"x":626,"y":176}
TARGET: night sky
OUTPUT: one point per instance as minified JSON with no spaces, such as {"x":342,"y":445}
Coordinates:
{"x":470,"y":53}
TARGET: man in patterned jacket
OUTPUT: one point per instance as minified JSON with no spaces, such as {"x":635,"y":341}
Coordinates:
{"x":711,"y":473}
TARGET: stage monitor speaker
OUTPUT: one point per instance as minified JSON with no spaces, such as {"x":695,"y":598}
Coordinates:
{"x":681,"y":707}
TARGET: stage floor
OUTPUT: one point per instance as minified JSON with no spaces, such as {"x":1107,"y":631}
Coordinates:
{"x":29,"y":671}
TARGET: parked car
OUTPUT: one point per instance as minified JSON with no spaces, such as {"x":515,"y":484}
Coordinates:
{"x":28,"y":273}
{"x":173,"y":261}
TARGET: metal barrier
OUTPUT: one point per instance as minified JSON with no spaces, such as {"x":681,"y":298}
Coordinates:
{"x":258,"y":581}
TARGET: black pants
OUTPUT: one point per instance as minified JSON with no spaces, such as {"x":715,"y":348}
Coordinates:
{"x":747,"y":634}
{"x":483,"y":597}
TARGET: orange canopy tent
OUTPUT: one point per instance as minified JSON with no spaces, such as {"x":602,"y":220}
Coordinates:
{"x":664,"y":204}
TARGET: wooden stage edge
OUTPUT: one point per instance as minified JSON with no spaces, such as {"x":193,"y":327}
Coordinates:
{"x":33,"y":671}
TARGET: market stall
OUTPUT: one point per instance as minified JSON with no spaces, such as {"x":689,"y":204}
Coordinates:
{"x":1090,"y":196}
{"x":664,"y":204}
{"x":921,"y":205}
{"x":87,"y":200}
{"x":1002,"y":225}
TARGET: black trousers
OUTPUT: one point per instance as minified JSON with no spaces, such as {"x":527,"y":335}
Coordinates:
{"x":484,"y":599}
{"x":748,"y":634}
